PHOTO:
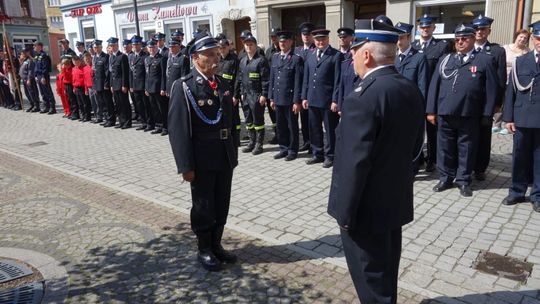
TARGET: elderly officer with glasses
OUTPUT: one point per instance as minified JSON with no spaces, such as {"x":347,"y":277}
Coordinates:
{"x":200,"y":126}
{"x":371,"y":194}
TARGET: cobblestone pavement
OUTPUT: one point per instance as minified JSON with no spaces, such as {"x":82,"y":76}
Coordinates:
{"x":284,"y":204}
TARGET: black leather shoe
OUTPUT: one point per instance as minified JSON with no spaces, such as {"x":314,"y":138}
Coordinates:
{"x":164,"y":132}
{"x":125,"y":127}
{"x":441,"y":186}
{"x":509,"y":201}
{"x":465,"y":190}
{"x":304,"y":147}
{"x":480,"y":176}
{"x":51,"y":112}
{"x":208,"y":260}
{"x":148,"y":128}
{"x":29,"y":109}
{"x":430,"y":167}
{"x":118,"y":126}
{"x":156,"y":131}
{"x":291,"y":157}
{"x":35,"y":110}
{"x":141,"y":128}
{"x":536,"y":206}
{"x":314,"y":160}
{"x":281,"y":154}
{"x":328,"y":163}
{"x":108,"y":125}
{"x":43,"y":112}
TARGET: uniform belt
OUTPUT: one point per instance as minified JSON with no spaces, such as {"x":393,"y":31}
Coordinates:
{"x":219,"y":134}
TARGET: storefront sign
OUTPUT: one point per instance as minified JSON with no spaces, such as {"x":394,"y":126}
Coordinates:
{"x":90,"y":10}
{"x":158,"y":13}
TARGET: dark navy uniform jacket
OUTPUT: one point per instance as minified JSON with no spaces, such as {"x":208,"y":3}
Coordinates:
{"x":270,"y":51}
{"x":100,"y":76}
{"x":81,"y":55}
{"x":43,"y":65}
{"x":119,"y":71}
{"x":499,"y":54}
{"x":321,"y":78}
{"x":192,"y":151}
{"x":228,"y":68}
{"x":69,"y":51}
{"x":286,"y":79}
{"x":376,"y":141}
{"x":154,"y":69}
{"x":300,"y":51}
{"x":137,"y":74}
{"x":474,"y":92}
{"x":414,"y":67}
{"x":433,"y":51}
{"x":164,"y":51}
{"x":347,"y":82}
{"x":522,"y":107}
{"x":253,"y":76}
{"x":176,"y":67}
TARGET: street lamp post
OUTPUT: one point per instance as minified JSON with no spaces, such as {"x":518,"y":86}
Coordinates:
{"x":136,"y":17}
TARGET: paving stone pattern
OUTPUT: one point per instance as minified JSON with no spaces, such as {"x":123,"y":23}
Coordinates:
{"x":284,"y":203}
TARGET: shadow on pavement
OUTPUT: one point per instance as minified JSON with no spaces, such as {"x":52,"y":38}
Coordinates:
{"x":526,"y":296}
{"x":165,"y":270}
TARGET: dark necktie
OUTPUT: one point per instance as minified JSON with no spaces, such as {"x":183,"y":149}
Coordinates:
{"x":282,"y":57}
{"x":319,"y":55}
{"x":478,"y":49}
{"x":461,"y":58}
{"x":401,"y":57}
{"x":424,"y":45}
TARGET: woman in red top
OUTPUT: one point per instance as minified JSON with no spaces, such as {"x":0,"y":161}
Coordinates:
{"x":79,"y":89}
{"x":67,"y":67}
{"x":88,"y":83}
{"x":60,"y":90}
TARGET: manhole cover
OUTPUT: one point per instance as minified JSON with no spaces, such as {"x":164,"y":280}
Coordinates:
{"x":503,"y":266}
{"x":26,"y":294}
{"x":37,"y":144}
{"x":11,"y":270}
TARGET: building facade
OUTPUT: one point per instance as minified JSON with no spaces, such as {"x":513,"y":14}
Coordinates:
{"x":331,"y":14}
{"x":508,"y":14}
{"x":55,"y":23}
{"x":217,"y":16}
{"x":27,"y":23}
{"x":88,"y":20}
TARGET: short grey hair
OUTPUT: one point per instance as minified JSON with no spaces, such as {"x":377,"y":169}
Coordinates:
{"x":382,"y":52}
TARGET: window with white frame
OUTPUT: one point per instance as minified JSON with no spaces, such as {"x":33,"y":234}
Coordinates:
{"x":53,"y":3}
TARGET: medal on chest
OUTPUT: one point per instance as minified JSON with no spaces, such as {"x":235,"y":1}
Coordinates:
{"x":213,"y":85}
{"x":473,"y":70}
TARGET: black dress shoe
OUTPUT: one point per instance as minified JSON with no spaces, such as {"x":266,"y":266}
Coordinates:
{"x":35,"y":110}
{"x":480,"y":176}
{"x":108,"y":125}
{"x":29,"y":109}
{"x":314,"y":160}
{"x":291,"y":157}
{"x":509,"y":201}
{"x":208,"y":260}
{"x":281,"y":154}
{"x":164,"y":132}
{"x":148,"y":128}
{"x":118,"y":126}
{"x":465,"y":190}
{"x":51,"y":112}
{"x":141,"y":128}
{"x":328,"y":163}
{"x":16,"y":108}
{"x":304,"y":147}
{"x":43,"y":112}
{"x":441,"y":186}
{"x":125,"y":127}
{"x":430,"y":167}
{"x":156,"y":131}
{"x":536,"y":206}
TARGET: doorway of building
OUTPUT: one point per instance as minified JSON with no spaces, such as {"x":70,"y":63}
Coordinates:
{"x":239,"y":26}
{"x":291,"y":18}
{"x":22,"y":42}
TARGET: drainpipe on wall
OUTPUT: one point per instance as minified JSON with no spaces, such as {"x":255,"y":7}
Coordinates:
{"x":527,"y":12}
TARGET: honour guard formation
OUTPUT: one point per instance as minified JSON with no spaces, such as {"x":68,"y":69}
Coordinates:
{"x":379,"y":108}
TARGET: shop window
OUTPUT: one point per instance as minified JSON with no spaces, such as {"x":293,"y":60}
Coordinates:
{"x":171,"y":28}
{"x":450,"y":15}
{"x":89,"y":31}
{"x":368,"y":9}
{"x":148,"y":34}
{"x":25,"y":8}
{"x":201,"y":25}
{"x":53,"y":3}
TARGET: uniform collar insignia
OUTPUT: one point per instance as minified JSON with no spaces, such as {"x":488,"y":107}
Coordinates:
{"x":199,"y":80}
